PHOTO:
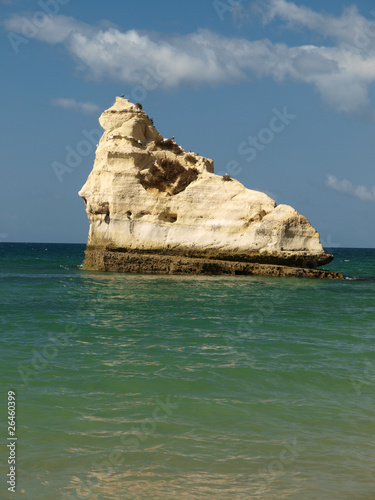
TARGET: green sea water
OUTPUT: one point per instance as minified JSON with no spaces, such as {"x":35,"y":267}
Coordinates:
{"x":193,"y":387}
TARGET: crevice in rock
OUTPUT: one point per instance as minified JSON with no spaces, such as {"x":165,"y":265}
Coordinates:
{"x":168,"y":217}
{"x":167,"y":175}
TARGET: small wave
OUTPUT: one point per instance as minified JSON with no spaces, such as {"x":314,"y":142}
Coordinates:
{"x":358,"y":278}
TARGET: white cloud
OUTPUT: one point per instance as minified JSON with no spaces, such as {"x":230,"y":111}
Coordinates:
{"x":345,"y":28}
{"x":70,"y":103}
{"x":344,"y":186}
{"x":341,"y":72}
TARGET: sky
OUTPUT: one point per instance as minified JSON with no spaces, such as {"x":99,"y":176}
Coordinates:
{"x":279,"y":94}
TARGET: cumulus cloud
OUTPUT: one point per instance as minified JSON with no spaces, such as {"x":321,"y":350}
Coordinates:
{"x":70,"y":103}
{"x":344,"y":186}
{"x":342,"y":71}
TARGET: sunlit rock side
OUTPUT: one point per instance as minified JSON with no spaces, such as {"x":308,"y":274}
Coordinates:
{"x":146,"y":195}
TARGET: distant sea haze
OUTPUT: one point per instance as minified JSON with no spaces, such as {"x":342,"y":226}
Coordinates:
{"x":136,"y":386}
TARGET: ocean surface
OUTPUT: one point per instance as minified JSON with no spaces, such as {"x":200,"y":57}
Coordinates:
{"x":195,"y":387}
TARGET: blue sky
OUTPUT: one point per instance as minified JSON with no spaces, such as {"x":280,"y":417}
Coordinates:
{"x":279,"y":94}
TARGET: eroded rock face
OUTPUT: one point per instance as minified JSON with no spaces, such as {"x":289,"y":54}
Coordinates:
{"x":146,"y":194}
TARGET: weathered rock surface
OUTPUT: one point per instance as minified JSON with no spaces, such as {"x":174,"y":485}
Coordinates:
{"x":146,"y":196}
{"x":99,"y":260}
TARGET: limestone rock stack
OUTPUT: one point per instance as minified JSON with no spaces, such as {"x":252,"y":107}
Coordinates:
{"x":153,"y":207}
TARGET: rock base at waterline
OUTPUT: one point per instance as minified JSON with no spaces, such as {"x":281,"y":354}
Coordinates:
{"x":104,"y":260}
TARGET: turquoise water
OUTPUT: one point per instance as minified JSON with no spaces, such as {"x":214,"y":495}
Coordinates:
{"x":169,"y":387}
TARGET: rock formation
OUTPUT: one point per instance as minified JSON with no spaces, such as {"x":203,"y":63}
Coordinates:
{"x":154,"y":207}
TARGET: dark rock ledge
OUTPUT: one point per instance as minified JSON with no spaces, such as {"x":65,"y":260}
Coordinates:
{"x":146,"y":263}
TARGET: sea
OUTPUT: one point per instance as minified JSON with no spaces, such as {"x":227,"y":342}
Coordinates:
{"x":132,"y":386}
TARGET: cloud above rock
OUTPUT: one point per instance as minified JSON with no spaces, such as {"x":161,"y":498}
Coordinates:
{"x":70,"y":103}
{"x":345,"y":186}
{"x":341,"y":70}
